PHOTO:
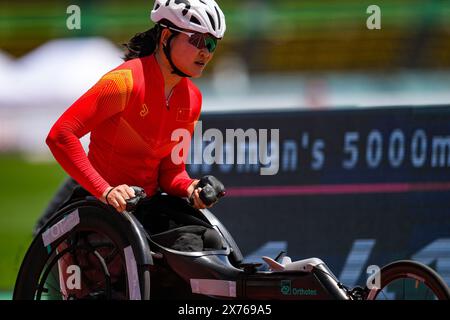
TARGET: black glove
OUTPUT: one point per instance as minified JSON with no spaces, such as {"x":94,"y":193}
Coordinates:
{"x":212,"y":189}
{"x":139,"y":194}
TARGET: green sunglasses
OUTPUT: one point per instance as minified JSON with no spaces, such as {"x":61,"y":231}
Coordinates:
{"x":198,"y":40}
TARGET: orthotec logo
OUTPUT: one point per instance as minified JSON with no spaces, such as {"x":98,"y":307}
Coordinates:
{"x":287,"y":290}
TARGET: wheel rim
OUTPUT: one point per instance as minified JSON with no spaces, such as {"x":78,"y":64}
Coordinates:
{"x":407,"y":289}
{"x":101,"y":270}
{"x":409,"y":280}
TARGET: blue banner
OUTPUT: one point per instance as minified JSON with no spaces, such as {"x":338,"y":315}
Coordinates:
{"x":353,"y":187}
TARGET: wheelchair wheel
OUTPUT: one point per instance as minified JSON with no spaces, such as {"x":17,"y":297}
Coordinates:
{"x":409,"y":280}
{"x":84,"y":253}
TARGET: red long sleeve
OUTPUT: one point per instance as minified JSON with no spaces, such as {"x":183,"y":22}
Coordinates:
{"x":106,"y":99}
{"x":131,"y":128}
{"x":174,"y":178}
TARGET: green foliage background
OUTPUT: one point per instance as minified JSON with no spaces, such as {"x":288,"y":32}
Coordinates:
{"x":26,"y":188}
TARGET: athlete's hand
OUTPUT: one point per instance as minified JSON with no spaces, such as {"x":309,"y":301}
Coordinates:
{"x":117,"y":196}
{"x":197,"y":203}
{"x":194,"y":197}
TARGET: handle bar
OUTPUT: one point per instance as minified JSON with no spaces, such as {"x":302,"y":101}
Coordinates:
{"x":133,"y":202}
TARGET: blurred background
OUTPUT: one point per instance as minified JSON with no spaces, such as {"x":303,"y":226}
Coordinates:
{"x":277,"y":55}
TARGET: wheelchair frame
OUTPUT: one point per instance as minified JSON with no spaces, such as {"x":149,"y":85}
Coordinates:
{"x":206,"y":274}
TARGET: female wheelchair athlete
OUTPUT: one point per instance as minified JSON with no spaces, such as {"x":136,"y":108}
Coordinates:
{"x":89,"y":251}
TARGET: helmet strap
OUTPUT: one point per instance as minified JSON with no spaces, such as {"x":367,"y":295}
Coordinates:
{"x":175,"y":70}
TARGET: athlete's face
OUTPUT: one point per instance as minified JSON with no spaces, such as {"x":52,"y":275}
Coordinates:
{"x":187,"y":57}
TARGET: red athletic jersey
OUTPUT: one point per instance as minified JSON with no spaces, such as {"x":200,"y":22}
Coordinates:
{"x":131,"y":127}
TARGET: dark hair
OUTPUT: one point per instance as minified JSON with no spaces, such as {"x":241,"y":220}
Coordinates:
{"x":143,"y":43}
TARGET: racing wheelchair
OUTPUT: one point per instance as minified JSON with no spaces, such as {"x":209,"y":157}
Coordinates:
{"x":89,"y":251}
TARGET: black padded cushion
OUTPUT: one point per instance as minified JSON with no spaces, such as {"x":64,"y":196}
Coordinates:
{"x":173,"y":223}
{"x":189,"y":239}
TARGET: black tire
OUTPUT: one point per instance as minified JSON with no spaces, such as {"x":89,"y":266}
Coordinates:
{"x":94,"y":240}
{"x":409,"y":280}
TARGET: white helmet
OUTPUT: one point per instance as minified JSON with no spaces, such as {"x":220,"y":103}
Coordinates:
{"x":203,"y":16}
